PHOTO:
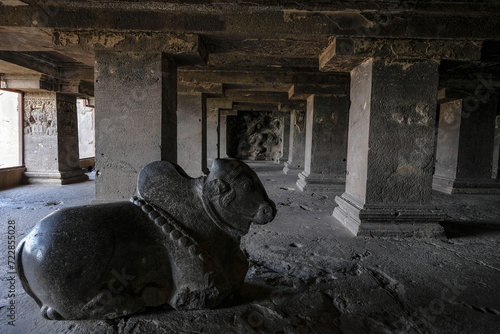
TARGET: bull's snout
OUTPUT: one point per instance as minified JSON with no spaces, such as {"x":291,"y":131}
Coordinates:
{"x":266,"y":213}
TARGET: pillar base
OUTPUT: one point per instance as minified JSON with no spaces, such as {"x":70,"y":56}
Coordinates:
{"x":292,"y":168}
{"x":388,"y":221}
{"x":463,"y":186}
{"x":318,"y":182}
{"x":74,"y":176}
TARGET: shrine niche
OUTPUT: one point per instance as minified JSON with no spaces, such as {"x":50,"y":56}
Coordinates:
{"x":255,"y":135}
{"x":40,"y":116}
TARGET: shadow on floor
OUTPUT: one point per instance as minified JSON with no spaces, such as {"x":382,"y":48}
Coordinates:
{"x":470,"y":229}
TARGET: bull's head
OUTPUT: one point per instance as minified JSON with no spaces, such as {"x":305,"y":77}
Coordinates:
{"x":236,"y":196}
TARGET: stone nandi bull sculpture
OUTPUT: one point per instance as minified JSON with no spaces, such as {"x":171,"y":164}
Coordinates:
{"x":177,"y":244}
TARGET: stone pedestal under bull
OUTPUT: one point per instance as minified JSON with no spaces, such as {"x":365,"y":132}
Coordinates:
{"x":177,"y":244}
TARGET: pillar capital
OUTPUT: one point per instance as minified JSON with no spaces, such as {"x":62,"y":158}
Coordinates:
{"x":345,"y":53}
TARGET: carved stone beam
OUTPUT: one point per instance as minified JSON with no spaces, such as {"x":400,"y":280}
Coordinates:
{"x":184,"y":48}
{"x":302,"y":92}
{"x":31,"y":82}
{"x":343,"y":54}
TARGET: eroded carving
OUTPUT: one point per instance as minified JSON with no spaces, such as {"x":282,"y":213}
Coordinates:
{"x":177,"y":244}
{"x":40,"y":115}
{"x":257,"y":136}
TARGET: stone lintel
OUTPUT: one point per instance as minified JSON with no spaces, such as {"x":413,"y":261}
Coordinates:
{"x":32,"y":83}
{"x":463,"y":186}
{"x":256,"y":106}
{"x":193,"y":87}
{"x":343,"y":54}
{"x":219,"y":103}
{"x":280,"y":81}
{"x":62,"y":178}
{"x":302,"y":92}
{"x":256,"y":96}
{"x":228,"y":112}
{"x":185,"y":49}
{"x":36,"y":63}
{"x":388,"y":220}
{"x":320,"y":182}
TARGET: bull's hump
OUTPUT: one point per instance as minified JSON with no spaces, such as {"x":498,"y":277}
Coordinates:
{"x":161,"y":179}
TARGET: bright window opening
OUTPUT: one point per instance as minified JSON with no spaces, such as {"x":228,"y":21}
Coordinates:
{"x":10,"y":129}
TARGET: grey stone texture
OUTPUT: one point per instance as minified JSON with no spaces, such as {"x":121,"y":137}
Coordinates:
{"x":177,"y":244}
{"x":465,"y":147}
{"x":190,"y":133}
{"x":495,"y":173}
{"x":134,"y":126}
{"x":297,"y":148}
{"x":308,"y":274}
{"x":256,"y":135}
{"x":212,"y":134}
{"x":326,"y":143}
{"x":51,"y":139}
{"x":286,"y":135}
{"x":390,"y":150}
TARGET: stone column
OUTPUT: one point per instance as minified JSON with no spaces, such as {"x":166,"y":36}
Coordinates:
{"x":296,"y":151}
{"x":465,"y":145}
{"x":136,"y":101}
{"x":390,"y":150}
{"x":189,"y":133}
{"x":286,"y":136}
{"x":326,"y":144}
{"x":496,"y":151}
{"x":212,"y":137}
{"x":51,"y":152}
{"x":223,"y":113}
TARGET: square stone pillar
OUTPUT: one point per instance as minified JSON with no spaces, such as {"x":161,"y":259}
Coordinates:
{"x":190,"y":133}
{"x":326,"y":144}
{"x":135,"y":112}
{"x":296,"y":147}
{"x":496,"y":150}
{"x":51,"y":152}
{"x":390,"y":150}
{"x":465,"y":145}
{"x":286,"y":136}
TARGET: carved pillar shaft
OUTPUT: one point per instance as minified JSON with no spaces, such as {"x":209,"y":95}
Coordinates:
{"x":390,"y":150}
{"x":296,"y":150}
{"x":190,"y":133}
{"x":286,"y":136}
{"x":326,"y":143}
{"x":465,"y":146}
{"x":496,"y":150}
{"x":136,"y":123}
{"x":51,"y":152}
{"x":222,"y":135}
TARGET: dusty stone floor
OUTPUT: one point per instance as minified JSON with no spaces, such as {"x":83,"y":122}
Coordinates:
{"x":308,"y":274}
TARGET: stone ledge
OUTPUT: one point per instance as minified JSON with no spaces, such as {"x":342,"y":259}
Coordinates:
{"x":318,"y":182}
{"x":56,"y":177}
{"x":387,"y":221}
{"x":465,"y":186}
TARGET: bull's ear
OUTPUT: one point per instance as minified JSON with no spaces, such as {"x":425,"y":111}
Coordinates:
{"x":215,"y":187}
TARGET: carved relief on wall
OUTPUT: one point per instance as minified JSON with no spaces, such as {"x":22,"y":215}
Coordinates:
{"x":40,"y":115}
{"x":255,"y":136}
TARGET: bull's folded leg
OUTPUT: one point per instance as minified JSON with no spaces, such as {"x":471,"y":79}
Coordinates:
{"x":107,"y":305}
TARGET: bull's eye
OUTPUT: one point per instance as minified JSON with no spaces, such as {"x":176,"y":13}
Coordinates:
{"x":247,"y":186}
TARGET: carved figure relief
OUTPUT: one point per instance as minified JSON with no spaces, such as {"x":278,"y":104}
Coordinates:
{"x":256,"y":136}
{"x":40,"y":115}
{"x":177,"y":243}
